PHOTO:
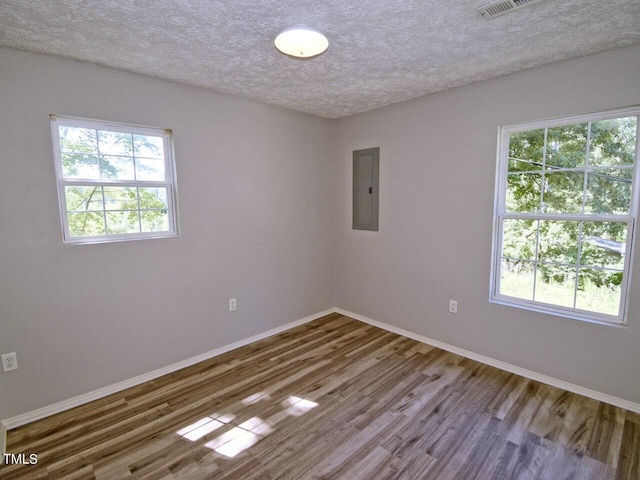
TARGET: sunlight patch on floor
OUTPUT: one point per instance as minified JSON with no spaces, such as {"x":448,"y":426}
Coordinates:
{"x":297,"y":406}
{"x":204,"y":426}
{"x":255,"y":398}
{"x":242,"y":437}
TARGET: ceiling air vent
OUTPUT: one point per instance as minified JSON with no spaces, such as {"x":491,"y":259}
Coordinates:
{"x":500,"y":7}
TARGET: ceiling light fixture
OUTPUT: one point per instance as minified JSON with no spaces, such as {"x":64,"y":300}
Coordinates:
{"x":301,"y":42}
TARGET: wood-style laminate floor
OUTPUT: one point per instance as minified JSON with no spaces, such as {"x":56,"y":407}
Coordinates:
{"x":334,"y":399}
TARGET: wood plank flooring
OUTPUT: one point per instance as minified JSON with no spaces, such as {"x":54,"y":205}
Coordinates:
{"x":334,"y":399}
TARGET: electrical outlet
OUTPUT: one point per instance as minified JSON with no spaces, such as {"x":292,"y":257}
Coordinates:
{"x":233,"y":304}
{"x":453,"y":306}
{"x":9,"y":362}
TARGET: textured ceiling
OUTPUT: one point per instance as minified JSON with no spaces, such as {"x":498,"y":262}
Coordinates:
{"x":381,"y":51}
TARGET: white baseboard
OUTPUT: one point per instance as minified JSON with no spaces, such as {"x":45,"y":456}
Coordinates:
{"x":23,"y":419}
{"x":554,"y":382}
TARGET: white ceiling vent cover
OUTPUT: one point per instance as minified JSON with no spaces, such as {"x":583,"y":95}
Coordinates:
{"x":500,"y":7}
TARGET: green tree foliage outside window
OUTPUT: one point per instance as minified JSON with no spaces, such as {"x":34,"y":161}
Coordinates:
{"x":567,"y":214}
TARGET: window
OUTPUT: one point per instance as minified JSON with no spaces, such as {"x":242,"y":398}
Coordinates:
{"x":115,"y":181}
{"x":566,"y":207}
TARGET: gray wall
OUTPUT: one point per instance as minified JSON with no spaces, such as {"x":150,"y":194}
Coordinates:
{"x":265,"y":211}
{"x":256,"y":224}
{"x":437,"y":176}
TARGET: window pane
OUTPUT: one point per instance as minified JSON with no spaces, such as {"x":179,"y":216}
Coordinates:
{"x":603,"y":245}
{"x":519,"y":239}
{"x":153,"y":198}
{"x":558,"y":241}
{"x":115,"y":143}
{"x":148,"y":146}
{"x":609,"y":191}
{"x":79,"y":165}
{"x":555,"y":284}
{"x":116,"y":167}
{"x":123,"y":222}
{"x":78,"y":140}
{"x":526,"y":150}
{"x":613,"y":142}
{"x":83,"y":199}
{"x":516,"y":279}
{"x":86,"y":224}
{"x":563,"y":192}
{"x":597,"y":295}
{"x":149,"y":169}
{"x":523,"y":192}
{"x":567,"y":146}
{"x":155,"y":220}
{"x":120,"y":198}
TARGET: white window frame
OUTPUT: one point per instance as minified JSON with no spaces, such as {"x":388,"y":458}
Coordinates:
{"x":169,"y":183}
{"x":500,"y":214}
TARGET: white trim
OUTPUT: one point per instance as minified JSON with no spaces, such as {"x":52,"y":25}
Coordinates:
{"x":500,"y":215}
{"x":523,"y":372}
{"x":28,"y":417}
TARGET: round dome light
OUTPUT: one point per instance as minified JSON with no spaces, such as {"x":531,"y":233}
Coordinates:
{"x":301,"y":42}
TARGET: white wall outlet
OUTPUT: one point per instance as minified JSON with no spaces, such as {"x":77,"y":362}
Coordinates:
{"x":453,"y":306}
{"x":9,"y":362}
{"x":233,"y":304}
